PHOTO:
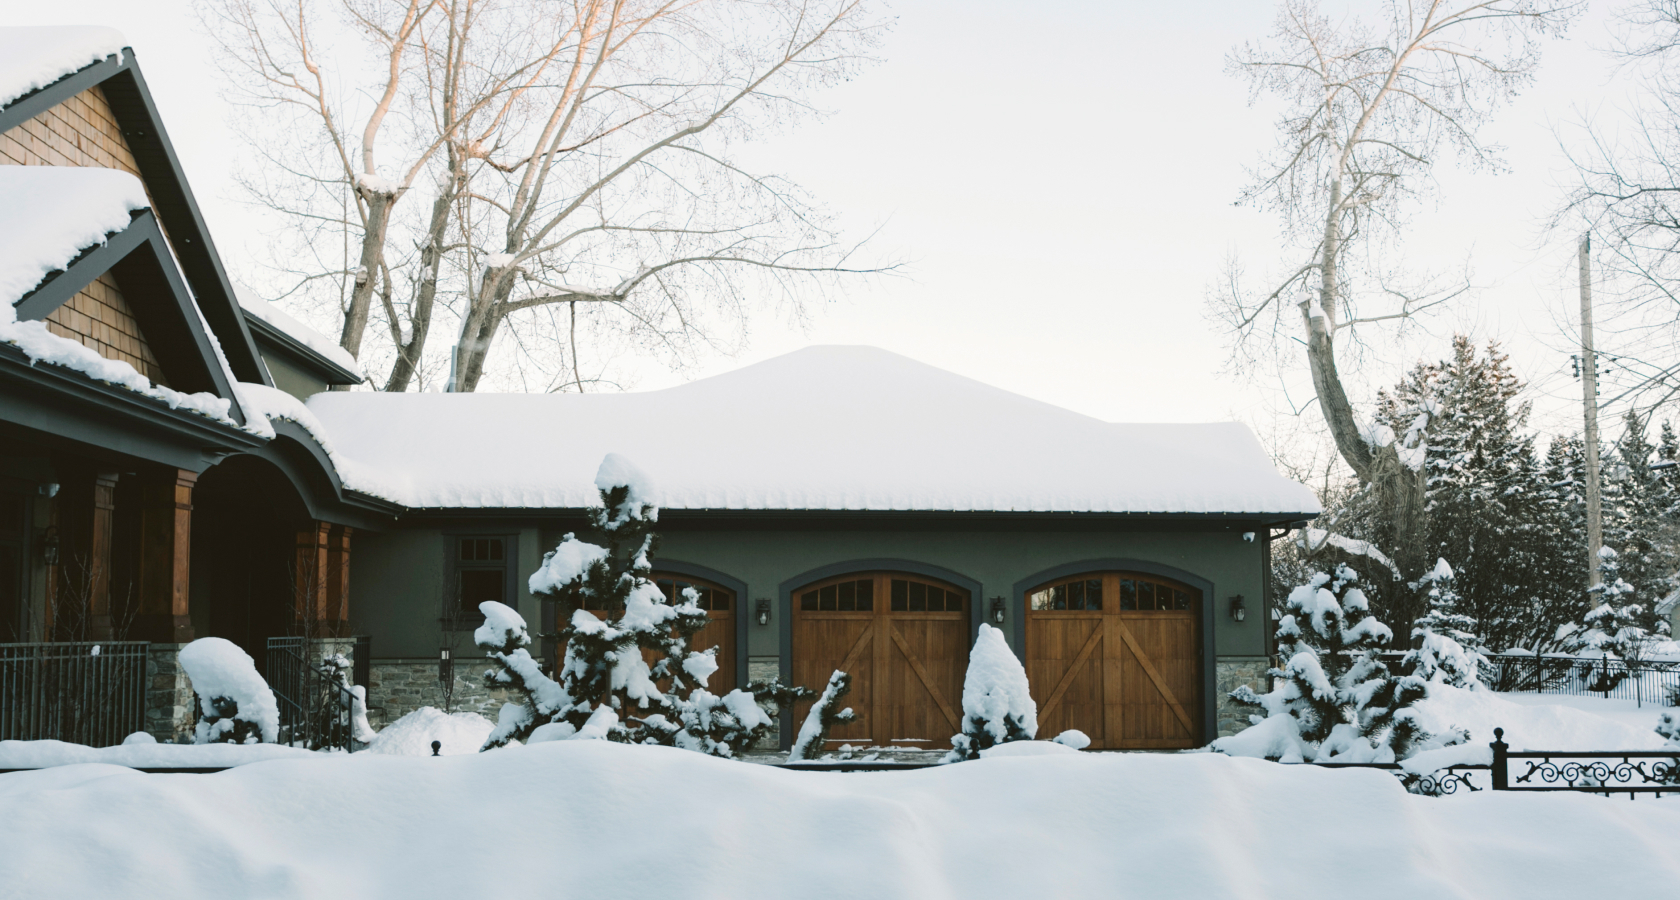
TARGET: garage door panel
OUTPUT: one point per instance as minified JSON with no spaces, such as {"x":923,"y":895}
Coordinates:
{"x":907,"y":641}
{"x":1138,"y":686}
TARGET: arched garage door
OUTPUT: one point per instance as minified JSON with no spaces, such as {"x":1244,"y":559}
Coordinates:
{"x":1114,"y":654}
{"x":904,"y":640}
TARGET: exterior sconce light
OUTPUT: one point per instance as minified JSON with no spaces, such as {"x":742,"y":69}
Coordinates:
{"x":998,"y":611}
{"x":49,"y":547}
{"x":1238,"y":610}
{"x":763,"y":611}
{"x":444,"y":667}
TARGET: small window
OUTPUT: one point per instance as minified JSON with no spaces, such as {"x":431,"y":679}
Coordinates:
{"x":711,"y":598}
{"x":479,"y":574}
{"x":1124,"y":592}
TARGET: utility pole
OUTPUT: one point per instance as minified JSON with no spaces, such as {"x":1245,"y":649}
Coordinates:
{"x":1589,"y":407}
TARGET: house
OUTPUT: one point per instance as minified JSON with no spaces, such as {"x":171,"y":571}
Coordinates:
{"x":174,"y":464}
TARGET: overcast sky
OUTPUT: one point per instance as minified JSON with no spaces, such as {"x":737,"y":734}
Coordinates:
{"x":1060,"y":178}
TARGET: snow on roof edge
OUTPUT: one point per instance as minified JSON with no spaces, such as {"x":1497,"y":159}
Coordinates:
{"x":317,"y":342}
{"x":32,"y":57}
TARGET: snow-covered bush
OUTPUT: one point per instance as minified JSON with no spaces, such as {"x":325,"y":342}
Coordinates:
{"x":997,"y":705}
{"x":1445,"y":647}
{"x":824,"y":715}
{"x":236,"y":704}
{"x":620,"y":619}
{"x":1334,"y":699}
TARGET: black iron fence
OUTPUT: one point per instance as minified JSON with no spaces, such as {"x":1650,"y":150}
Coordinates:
{"x":316,"y":704}
{"x":91,"y":693}
{"x":1655,"y":682}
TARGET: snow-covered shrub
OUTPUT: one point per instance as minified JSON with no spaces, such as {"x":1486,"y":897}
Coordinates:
{"x":1334,"y":699}
{"x":620,"y":619}
{"x":236,"y":704}
{"x":997,"y":705}
{"x":824,"y":715}
{"x":1445,"y":647}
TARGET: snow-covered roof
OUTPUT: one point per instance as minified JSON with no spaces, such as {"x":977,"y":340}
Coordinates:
{"x":49,"y":216}
{"x":52,"y":213}
{"x":33,"y":57}
{"x":825,"y":428}
{"x":303,"y":334}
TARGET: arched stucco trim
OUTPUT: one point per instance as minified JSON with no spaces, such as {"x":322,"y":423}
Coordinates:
{"x":743,"y":608}
{"x":784,"y":607}
{"x":1204,"y":627}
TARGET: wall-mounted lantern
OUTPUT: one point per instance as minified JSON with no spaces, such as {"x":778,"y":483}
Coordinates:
{"x":763,"y":611}
{"x":49,"y":547}
{"x":445,"y":673}
{"x":998,"y":611}
{"x":1239,"y":612}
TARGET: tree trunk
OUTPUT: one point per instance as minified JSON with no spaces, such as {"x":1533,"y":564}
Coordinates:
{"x":420,"y":314}
{"x":373,"y":254}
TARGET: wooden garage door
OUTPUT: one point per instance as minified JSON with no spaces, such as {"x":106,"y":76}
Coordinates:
{"x":904,"y":640}
{"x":719,"y":603}
{"x":1114,"y":654}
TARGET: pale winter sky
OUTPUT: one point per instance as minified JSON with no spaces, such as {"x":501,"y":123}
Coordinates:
{"x":1061,"y":181}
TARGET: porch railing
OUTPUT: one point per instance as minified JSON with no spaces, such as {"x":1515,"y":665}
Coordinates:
{"x":91,"y":693}
{"x":315,"y":705}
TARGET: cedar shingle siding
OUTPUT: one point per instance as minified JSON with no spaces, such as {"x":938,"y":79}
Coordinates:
{"x":99,"y":317}
{"x":82,"y":131}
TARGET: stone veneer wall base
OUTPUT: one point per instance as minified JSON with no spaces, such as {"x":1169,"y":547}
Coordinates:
{"x":1232,"y":672}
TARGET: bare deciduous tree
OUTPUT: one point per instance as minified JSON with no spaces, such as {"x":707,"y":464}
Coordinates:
{"x":580,"y":155}
{"x":1369,"y":110}
{"x":1628,"y":198}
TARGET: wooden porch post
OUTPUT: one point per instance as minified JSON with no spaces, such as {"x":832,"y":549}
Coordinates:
{"x":98,"y":572}
{"x":338,"y":580}
{"x":310,"y":576}
{"x":165,"y":557}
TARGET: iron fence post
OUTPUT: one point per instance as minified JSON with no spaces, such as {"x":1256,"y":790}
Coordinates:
{"x":1501,"y":772}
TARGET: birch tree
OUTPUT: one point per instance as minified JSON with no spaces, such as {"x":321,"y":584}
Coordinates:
{"x":342,"y":87}
{"x":1369,"y":109}
{"x":574,"y":154}
{"x":620,"y":194}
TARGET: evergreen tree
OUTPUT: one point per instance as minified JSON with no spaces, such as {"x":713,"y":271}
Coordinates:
{"x":823,"y":716}
{"x":606,"y":659}
{"x":1481,"y":481}
{"x":997,"y":705}
{"x":1445,"y":646}
{"x":1334,"y":698}
{"x":1614,"y":625}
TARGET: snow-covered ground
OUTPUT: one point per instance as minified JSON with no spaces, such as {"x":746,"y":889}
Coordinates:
{"x":599,"y":820}
{"x":1544,"y":721}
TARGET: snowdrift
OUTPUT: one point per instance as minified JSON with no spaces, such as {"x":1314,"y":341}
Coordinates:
{"x":599,"y":820}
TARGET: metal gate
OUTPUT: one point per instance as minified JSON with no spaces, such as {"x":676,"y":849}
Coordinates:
{"x":313,"y":694}
{"x":91,"y":693}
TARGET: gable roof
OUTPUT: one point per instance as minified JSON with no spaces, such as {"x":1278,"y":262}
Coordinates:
{"x":825,"y":428}
{"x":63,"y":227}
{"x":118,"y":76}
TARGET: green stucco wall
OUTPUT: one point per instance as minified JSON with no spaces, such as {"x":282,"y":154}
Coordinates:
{"x":291,"y":379}
{"x":397,"y":577}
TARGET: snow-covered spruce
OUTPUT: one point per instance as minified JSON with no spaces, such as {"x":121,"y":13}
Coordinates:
{"x":1445,"y":646}
{"x":997,"y":704}
{"x":606,"y":661}
{"x":1613,"y":626}
{"x":1334,"y":700}
{"x":825,"y":713}
{"x":235,"y":701}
